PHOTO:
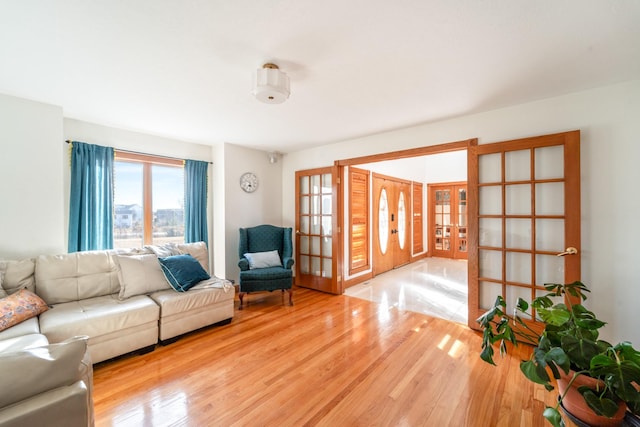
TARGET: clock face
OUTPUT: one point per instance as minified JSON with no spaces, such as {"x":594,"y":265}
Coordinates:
{"x":249,"y":182}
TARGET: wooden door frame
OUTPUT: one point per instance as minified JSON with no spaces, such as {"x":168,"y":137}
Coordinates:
{"x":448,"y":147}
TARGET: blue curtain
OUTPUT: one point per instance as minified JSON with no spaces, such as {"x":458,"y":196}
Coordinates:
{"x":91,"y":198}
{"x":195,"y":204}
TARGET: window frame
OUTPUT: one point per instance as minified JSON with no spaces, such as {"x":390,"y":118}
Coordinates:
{"x":147,"y":161}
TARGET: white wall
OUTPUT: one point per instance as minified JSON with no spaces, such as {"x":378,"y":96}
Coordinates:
{"x":430,"y":169}
{"x":31,"y":182}
{"x":608,"y":120}
{"x":263,"y":206}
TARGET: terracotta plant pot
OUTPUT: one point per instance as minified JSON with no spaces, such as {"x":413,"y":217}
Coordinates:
{"x":574,"y":403}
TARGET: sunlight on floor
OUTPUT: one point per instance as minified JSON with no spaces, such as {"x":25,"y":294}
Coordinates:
{"x":433,"y":286}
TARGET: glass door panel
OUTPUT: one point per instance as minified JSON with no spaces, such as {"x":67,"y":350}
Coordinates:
{"x":316,"y":209}
{"x":461,"y":225}
{"x":402,"y":217}
{"x":383,"y":221}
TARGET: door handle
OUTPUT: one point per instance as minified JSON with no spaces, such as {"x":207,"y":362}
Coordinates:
{"x":569,"y":251}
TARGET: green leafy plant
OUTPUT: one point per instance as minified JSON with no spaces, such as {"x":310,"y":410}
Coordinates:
{"x":568,"y":342}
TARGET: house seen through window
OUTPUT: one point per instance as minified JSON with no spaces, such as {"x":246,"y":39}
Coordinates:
{"x":148,"y":200}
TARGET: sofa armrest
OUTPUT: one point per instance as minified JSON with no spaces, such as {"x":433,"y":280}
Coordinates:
{"x":39,"y":369}
{"x":243,"y":264}
{"x":61,"y":407}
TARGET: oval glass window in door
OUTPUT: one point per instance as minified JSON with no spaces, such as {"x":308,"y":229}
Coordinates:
{"x":383,"y":221}
{"x":402,"y":216}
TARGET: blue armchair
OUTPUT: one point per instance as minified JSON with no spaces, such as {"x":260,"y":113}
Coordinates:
{"x":262,"y":269}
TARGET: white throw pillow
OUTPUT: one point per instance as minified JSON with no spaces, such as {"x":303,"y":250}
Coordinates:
{"x":139,"y":275}
{"x":263,"y":259}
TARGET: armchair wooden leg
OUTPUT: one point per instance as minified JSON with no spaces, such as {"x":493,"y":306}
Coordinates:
{"x":290,"y":291}
{"x":241,"y":296}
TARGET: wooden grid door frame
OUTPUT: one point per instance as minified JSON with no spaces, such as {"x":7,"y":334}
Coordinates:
{"x":570,"y":216}
{"x":317,"y":248}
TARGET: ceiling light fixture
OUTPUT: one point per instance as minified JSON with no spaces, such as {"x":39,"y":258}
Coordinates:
{"x":271,"y":84}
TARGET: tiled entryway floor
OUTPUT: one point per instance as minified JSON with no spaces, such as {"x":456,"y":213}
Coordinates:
{"x":433,"y":286}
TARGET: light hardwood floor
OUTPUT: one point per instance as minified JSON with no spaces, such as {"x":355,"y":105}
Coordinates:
{"x":326,"y":361}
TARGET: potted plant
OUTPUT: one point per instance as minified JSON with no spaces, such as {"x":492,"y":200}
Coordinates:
{"x":567,"y":349}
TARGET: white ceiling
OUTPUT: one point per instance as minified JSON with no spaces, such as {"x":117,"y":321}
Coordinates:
{"x":183,"y":69}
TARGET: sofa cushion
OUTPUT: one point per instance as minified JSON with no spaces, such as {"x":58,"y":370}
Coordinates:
{"x":182,"y":271}
{"x":139,"y":275}
{"x":206,"y":293}
{"x":22,"y":342}
{"x":97,"y":316}
{"x":18,"y":307}
{"x":33,"y":371}
{"x":2,"y":291}
{"x":18,"y":275}
{"x":198,"y":250}
{"x":76,"y":276}
{"x":30,"y":326}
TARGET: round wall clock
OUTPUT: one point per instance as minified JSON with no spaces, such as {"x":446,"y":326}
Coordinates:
{"x":249,"y":182}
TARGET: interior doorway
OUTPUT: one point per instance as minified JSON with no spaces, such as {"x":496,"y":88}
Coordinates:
{"x":415,"y":282}
{"x":448,"y":220}
{"x":391,"y":226}
{"x":397,"y":178}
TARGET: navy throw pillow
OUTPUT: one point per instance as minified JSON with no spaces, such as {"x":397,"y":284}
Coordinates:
{"x":182,"y":271}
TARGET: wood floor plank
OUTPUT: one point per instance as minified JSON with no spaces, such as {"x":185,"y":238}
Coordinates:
{"x":326,"y":361}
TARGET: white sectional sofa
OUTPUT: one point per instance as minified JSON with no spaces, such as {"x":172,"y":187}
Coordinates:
{"x":45,"y":384}
{"x":120,"y":299}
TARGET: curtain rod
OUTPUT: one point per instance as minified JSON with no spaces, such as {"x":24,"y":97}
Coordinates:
{"x":68,"y":141}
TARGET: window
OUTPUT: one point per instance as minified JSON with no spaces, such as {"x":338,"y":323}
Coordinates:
{"x":148,"y":200}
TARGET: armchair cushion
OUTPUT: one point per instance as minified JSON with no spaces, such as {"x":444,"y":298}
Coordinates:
{"x":183,"y":271}
{"x":263,"y":259}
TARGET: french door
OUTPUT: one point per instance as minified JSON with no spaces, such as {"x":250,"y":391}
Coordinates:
{"x":525,"y":196}
{"x":391,"y":223}
{"x":448,"y":220}
{"x":316,"y":232}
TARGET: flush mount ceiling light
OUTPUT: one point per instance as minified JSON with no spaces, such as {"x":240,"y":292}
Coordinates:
{"x":271,"y":85}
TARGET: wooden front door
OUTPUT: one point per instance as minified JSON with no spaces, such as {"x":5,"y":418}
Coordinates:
{"x":391,"y":223}
{"x":448,"y":220}
{"x":316,"y":232}
{"x":525,"y":199}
